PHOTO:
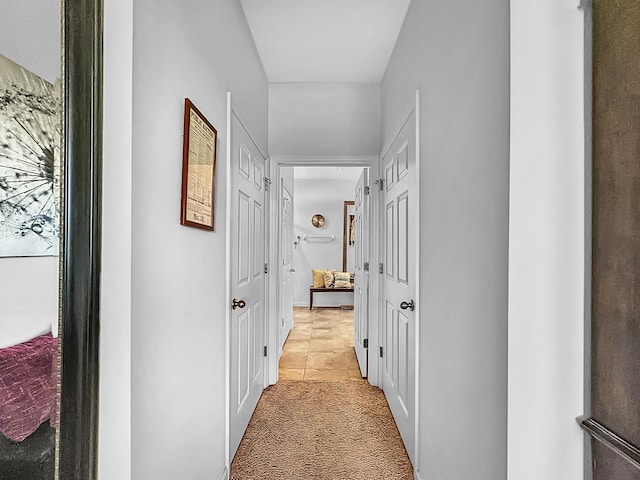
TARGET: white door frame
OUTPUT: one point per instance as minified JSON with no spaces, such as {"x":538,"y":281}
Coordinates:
{"x":231,"y":111}
{"x":281,"y":186}
{"x":361,"y":255}
{"x":277,"y":162}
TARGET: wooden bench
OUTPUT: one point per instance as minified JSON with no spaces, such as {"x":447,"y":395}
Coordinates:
{"x":313,"y":290}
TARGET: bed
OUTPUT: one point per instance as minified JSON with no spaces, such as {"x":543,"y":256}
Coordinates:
{"x":28,"y":409}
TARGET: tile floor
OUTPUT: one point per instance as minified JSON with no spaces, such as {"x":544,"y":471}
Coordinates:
{"x":320,"y":346}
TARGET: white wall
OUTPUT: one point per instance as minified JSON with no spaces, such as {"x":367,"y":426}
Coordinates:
{"x":546,"y":238}
{"x":29,"y":286}
{"x":114,"y":441}
{"x":178,"y":273}
{"x":29,"y":298}
{"x":30,"y":35}
{"x":457,"y":53}
{"x":324,"y":119}
{"x":324,"y":196}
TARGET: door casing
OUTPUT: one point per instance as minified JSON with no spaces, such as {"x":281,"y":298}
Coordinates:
{"x":278,"y":162}
{"x":362,"y":275}
{"x":286,"y":249}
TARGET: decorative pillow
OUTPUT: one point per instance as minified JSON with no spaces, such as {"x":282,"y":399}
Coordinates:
{"x":318,"y":278}
{"x":328,"y":278}
{"x":27,"y":387}
{"x":342,"y":280}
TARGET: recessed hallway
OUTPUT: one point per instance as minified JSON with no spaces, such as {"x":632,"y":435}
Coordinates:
{"x":321,"y":420}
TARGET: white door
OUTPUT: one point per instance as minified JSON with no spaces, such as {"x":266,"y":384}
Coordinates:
{"x":361,"y":283}
{"x":286,"y":245}
{"x":399,"y":281}
{"x":247,"y":281}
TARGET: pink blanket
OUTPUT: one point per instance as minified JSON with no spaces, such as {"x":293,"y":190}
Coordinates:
{"x":27,"y":386}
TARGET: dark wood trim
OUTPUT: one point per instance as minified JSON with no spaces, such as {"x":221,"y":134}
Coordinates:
{"x":602,"y":434}
{"x":345,"y":232}
{"x":81,"y":242}
{"x":313,"y":290}
{"x":614,"y":399}
{"x":188,"y":106}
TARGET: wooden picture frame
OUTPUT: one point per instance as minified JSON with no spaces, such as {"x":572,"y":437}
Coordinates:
{"x":81,"y":252}
{"x":197,"y":202}
{"x":345,"y":232}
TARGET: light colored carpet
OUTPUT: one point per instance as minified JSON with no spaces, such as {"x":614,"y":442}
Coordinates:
{"x":322,"y":430}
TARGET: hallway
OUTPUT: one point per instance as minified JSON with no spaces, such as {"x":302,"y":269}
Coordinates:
{"x":504,"y":208}
{"x":321,"y":420}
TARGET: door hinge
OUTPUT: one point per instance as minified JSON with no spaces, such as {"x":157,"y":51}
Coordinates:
{"x":266,"y":268}
{"x":264,"y":351}
{"x":380,"y":183}
{"x":267,"y":182}
{"x":380,"y":268}
{"x":367,"y":190}
{"x":365,"y":267}
{"x":365,"y":343}
{"x":381,"y":352}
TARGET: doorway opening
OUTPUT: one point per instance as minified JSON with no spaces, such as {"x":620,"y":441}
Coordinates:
{"x":323,"y":239}
{"x":317,"y":188}
{"x":386,"y":196}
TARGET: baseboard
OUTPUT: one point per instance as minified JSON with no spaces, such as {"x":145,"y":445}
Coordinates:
{"x":225,"y":474}
{"x":301,"y":304}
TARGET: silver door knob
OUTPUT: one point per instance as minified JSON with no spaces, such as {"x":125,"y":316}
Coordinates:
{"x":292,"y":270}
{"x":238,"y":304}
{"x":410,"y":305}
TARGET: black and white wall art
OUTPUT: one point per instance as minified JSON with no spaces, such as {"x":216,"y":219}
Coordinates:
{"x":30,"y":131}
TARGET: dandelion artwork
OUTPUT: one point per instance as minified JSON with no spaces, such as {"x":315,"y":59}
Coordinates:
{"x":30,"y":133}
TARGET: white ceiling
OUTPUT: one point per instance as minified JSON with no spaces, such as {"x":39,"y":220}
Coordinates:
{"x":325,"y":40}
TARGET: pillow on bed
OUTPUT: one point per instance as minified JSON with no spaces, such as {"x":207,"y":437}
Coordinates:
{"x":27,"y":386}
{"x":328,"y":278}
{"x":318,"y":278}
{"x":342,"y":280}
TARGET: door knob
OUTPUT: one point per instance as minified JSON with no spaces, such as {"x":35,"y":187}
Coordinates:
{"x":292,"y":270}
{"x":410,"y":305}
{"x":238,"y":304}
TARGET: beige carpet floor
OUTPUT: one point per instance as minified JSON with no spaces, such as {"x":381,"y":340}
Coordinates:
{"x":339,"y":430}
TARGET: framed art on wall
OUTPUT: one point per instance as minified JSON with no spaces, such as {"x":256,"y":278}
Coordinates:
{"x":30,"y":136}
{"x":198,"y":169}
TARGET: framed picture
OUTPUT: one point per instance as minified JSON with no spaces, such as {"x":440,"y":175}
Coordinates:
{"x":198,"y":169}
{"x":30,"y":163}
{"x":352,"y":229}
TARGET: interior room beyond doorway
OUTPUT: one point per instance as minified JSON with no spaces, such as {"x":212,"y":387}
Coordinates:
{"x":320,"y":191}
{"x":317,"y":236}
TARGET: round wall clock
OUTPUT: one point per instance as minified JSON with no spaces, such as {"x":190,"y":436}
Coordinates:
{"x":317,"y":220}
